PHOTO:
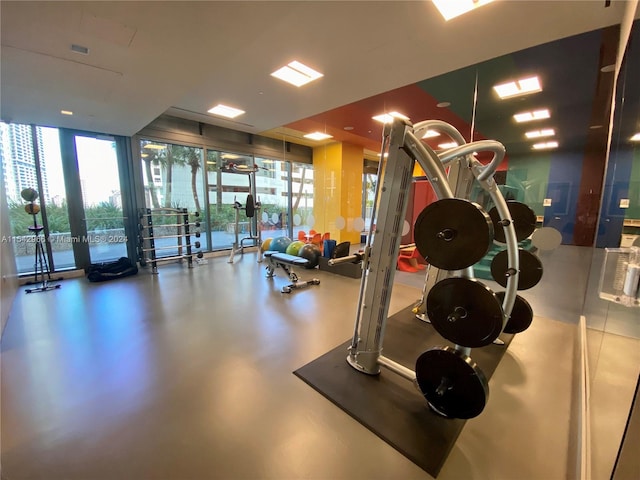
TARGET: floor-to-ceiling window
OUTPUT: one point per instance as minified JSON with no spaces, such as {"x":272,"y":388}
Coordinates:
{"x":302,"y":197}
{"x":101,"y":197}
{"x":369,"y":181}
{"x":63,"y":166}
{"x":172,"y":177}
{"x":272,"y":189}
{"x":229,"y":184}
{"x":31,"y":159}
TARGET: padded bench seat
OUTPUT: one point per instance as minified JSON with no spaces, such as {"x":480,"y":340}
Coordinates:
{"x":285,"y":261}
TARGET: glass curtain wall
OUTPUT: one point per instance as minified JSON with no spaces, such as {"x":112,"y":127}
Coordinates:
{"x":41,"y":169}
{"x":272,"y":188}
{"x":173,"y":180}
{"x":228,"y":188}
{"x":369,"y":181}
{"x":175,"y":176}
{"x":302,"y":199}
{"x":102,"y":198}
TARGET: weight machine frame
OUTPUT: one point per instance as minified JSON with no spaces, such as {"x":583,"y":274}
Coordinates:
{"x":238,"y":246}
{"x":402,"y":149}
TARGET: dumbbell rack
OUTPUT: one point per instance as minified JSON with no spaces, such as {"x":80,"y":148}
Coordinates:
{"x":149,"y":252}
{"x":403,"y":149}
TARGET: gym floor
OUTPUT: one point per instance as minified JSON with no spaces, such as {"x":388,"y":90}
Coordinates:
{"x":188,"y":375}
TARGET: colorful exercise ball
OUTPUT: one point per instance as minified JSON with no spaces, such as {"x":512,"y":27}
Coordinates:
{"x":29,"y":194}
{"x":266,"y":244}
{"x":312,"y":253}
{"x":32,"y":208}
{"x":294,"y":247}
{"x":280,"y":244}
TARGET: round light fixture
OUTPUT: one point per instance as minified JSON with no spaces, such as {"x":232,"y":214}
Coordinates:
{"x":443,"y":104}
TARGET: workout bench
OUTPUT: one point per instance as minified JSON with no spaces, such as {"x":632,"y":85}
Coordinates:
{"x":287,"y":263}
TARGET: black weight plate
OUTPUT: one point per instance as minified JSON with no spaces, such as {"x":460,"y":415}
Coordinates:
{"x":530,"y":269}
{"x":250,"y":207}
{"x":521,"y":314}
{"x":452,"y":383}
{"x":465,"y":312}
{"x":524,"y":221}
{"x":453,"y":233}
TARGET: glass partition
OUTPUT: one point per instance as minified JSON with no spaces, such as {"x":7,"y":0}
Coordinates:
{"x":612,"y":299}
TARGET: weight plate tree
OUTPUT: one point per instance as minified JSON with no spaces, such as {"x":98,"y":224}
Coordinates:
{"x":452,"y":383}
{"x":465,"y":311}
{"x":454,"y":234}
{"x":530,"y":272}
{"x":524,"y":221}
{"x":521,"y":315}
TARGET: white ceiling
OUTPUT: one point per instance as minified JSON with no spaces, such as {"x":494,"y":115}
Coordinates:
{"x":147,"y":58}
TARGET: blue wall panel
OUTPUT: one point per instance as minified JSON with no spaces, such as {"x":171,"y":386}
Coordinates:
{"x":564,"y":184}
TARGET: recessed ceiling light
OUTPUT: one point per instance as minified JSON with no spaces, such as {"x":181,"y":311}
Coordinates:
{"x":547,"y":132}
{"x":447,"y":145}
{"x":230,"y":156}
{"x":593,"y":127}
{"x":431,"y":134}
{"x":388,"y":117}
{"x":545,"y":145}
{"x":297,"y":74}
{"x":317,"y":136}
{"x":636,"y":137}
{"x":451,"y":9}
{"x":348,"y":128}
{"x":225,"y":111}
{"x":154,"y":146}
{"x":443,"y":104}
{"x":608,"y":68}
{"x":66,"y":112}
{"x":529,"y":116}
{"x":518,"y":87}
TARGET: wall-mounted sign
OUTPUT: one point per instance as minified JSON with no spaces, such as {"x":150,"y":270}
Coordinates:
{"x":624,"y":203}
{"x":546,"y":202}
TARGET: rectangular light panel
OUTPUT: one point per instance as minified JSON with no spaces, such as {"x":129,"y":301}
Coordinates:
{"x":518,"y":87}
{"x":226,"y":111}
{"x":454,"y":8}
{"x":530,"y":116}
{"x":547,"y":132}
{"x":388,"y":117}
{"x":545,"y":145}
{"x":317,"y":136}
{"x":297,"y":74}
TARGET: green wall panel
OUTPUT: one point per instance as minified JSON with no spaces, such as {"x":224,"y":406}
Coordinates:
{"x":527,"y":180}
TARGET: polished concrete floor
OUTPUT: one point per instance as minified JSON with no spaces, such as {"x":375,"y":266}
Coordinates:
{"x":188,"y":375}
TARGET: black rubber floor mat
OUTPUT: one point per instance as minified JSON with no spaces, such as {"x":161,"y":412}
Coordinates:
{"x":389,"y":405}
